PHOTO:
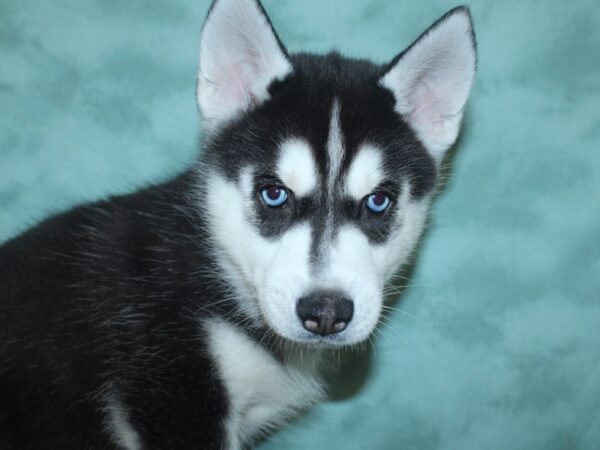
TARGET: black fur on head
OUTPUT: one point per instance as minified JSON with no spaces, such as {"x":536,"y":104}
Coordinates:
{"x":300,"y":106}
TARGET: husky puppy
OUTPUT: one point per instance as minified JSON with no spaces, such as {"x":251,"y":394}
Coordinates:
{"x":189,"y":315}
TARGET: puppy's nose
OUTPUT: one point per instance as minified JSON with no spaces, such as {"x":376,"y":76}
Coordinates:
{"x":325,"y":312}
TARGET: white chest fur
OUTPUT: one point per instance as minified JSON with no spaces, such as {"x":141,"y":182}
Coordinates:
{"x":263,"y":392}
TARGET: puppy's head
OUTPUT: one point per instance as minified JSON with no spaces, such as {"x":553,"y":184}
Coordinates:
{"x":319,"y":170}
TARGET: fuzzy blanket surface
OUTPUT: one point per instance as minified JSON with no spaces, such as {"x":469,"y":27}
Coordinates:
{"x":495,"y":341}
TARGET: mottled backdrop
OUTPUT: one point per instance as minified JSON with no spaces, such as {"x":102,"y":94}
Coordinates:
{"x":498,"y":344}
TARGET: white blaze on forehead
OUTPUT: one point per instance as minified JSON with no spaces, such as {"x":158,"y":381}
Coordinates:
{"x":335,"y":147}
{"x":335,"y":152}
{"x":365,"y":173}
{"x":296,"y":167}
{"x":119,"y":426}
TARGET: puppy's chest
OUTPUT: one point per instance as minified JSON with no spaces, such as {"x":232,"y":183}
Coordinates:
{"x":262,"y":392}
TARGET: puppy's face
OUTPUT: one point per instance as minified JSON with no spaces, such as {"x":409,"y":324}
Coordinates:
{"x":320,"y":169}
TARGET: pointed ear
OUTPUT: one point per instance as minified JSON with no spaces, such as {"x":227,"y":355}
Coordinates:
{"x":431,"y":80}
{"x":240,"y":55}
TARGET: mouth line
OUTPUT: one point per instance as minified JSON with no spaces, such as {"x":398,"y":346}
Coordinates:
{"x":316,"y":341}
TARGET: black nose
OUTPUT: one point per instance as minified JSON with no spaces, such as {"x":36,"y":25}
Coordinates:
{"x":325,"y":312}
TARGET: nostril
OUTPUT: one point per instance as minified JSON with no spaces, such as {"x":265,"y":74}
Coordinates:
{"x":339,"y":326}
{"x":311,"y":325}
{"x":325,"y":312}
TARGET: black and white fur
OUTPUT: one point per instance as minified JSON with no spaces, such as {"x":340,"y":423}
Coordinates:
{"x":168,"y":318}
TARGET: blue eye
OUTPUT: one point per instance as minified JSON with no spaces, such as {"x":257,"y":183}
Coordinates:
{"x":378,"y":202}
{"x":274,"y":196}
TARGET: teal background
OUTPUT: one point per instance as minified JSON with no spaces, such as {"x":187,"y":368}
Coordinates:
{"x":500,"y":344}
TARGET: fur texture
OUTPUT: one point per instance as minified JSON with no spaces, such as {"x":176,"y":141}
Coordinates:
{"x":193,"y":314}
